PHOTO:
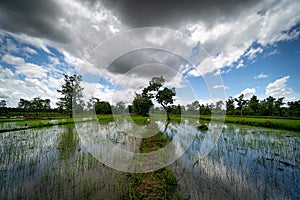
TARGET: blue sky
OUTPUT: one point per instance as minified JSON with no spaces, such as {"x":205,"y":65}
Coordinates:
{"x":253,"y":46}
{"x":266,"y":69}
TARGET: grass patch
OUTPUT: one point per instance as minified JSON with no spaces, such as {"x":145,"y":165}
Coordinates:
{"x":104,"y":119}
{"x":154,"y":185}
{"x":153,"y":143}
{"x":139,"y":120}
{"x":267,"y":122}
{"x":16,"y":124}
{"x":23,"y":124}
{"x":160,"y":184}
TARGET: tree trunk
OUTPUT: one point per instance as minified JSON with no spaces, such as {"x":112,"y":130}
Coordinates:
{"x":167,"y":112}
{"x":168,"y":116}
{"x":166,"y":126}
{"x":71,"y":112}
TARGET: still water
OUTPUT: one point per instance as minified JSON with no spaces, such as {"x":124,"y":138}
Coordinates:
{"x":246,"y":163}
{"x":242,"y":163}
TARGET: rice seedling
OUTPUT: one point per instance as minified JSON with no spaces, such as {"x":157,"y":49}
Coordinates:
{"x":49,"y":162}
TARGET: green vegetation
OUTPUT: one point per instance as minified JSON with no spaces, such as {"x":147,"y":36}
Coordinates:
{"x":23,"y":124}
{"x":285,"y":123}
{"x":61,"y":169}
{"x":68,"y":143}
{"x":267,"y":122}
{"x":72,"y":100}
{"x":101,"y":107}
{"x":71,"y":92}
{"x":104,"y":119}
{"x":36,"y":105}
{"x":160,"y":184}
{"x":142,"y":102}
{"x":154,"y":143}
{"x":154,"y":185}
{"x":266,"y":107}
{"x":241,"y":106}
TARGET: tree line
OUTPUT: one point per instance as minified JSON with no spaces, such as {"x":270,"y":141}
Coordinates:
{"x":241,"y":106}
{"x":266,"y":107}
{"x":72,"y":100}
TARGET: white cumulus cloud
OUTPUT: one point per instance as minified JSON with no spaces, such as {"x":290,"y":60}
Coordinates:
{"x":220,"y":87}
{"x":248,"y":93}
{"x":30,"y":50}
{"x":278,"y":87}
{"x":261,"y":76}
{"x":252,"y":53}
{"x":13,"y":60}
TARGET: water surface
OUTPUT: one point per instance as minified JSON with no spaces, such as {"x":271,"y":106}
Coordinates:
{"x":246,"y":162}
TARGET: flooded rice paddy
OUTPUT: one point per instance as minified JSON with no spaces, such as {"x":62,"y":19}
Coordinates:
{"x":246,"y":163}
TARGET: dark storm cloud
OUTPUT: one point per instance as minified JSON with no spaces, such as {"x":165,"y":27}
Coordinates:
{"x":135,"y":59}
{"x":172,"y":13}
{"x":33,"y":17}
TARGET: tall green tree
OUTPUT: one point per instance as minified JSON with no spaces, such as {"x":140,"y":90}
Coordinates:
{"x":36,"y":105}
{"x":176,"y":110}
{"x":141,"y":104}
{"x":253,"y":105}
{"x":101,"y":107}
{"x":270,"y":102}
{"x":154,"y":85}
{"x":71,"y":92}
{"x":206,"y":109}
{"x":163,"y":96}
{"x":294,"y":108}
{"x":193,"y":108}
{"x":23,"y":105}
{"x":119,"y":108}
{"x":230,"y":106}
{"x":45,"y":105}
{"x":40,"y":105}
{"x":202,"y":109}
{"x":3,"y":106}
{"x":219,"y":105}
{"x":241,"y":103}
{"x":210,"y":107}
{"x":90,"y":105}
{"x":278,"y":106}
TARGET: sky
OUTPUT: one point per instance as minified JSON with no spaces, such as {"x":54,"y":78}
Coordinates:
{"x":201,"y":48}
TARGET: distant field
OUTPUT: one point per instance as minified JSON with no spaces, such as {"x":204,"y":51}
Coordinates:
{"x":268,"y":122}
{"x":13,"y":124}
{"x":9,"y":124}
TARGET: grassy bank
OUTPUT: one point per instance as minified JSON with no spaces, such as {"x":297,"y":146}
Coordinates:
{"x":160,"y":184}
{"x":23,"y":123}
{"x":16,"y":124}
{"x":267,"y":122}
{"x":12,"y":124}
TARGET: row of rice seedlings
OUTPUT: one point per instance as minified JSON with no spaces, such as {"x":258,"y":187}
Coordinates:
{"x":32,"y":168}
{"x":239,"y":161}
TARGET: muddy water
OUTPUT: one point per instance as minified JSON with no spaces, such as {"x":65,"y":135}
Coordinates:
{"x":245,"y":163}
